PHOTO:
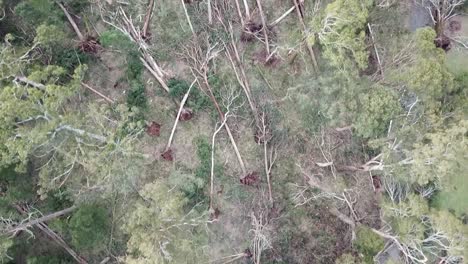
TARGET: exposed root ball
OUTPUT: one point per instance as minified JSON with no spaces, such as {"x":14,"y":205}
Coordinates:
{"x":250,"y":179}
{"x":443,"y":42}
{"x":186,"y":114}
{"x":167,"y":155}
{"x":154,"y":129}
{"x":90,"y":45}
{"x":251,"y":29}
{"x":266,"y":59}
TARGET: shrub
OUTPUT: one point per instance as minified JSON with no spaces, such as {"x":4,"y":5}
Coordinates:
{"x":136,"y":96}
{"x":196,"y":101}
{"x":89,"y":227}
{"x":368,"y":243}
{"x":378,"y":107}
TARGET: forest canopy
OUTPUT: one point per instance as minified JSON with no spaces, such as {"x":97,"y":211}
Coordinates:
{"x":234,"y":131}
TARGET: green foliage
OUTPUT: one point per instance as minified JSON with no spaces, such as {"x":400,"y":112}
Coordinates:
{"x":50,"y":36}
{"x":70,"y":58}
{"x":378,"y":107}
{"x":47,"y":259}
{"x":36,"y":12}
{"x":157,"y":230}
{"x":117,"y":40}
{"x":433,"y":232}
{"x":14,"y":186}
{"x":89,"y":227}
{"x":136,"y":97}
{"x":196,"y":194}
{"x":429,"y":76}
{"x":5,"y":244}
{"x":368,"y":243}
{"x":440,"y":158}
{"x":346,"y":259}
{"x":196,"y":101}
{"x":340,"y":30}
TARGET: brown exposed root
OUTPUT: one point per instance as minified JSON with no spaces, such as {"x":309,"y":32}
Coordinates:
{"x":248,"y":253}
{"x":90,"y":45}
{"x":377,"y":183}
{"x":153,"y":129}
{"x":443,"y":42}
{"x":254,"y":30}
{"x":186,"y":114}
{"x":215,"y":214}
{"x":251,"y":30}
{"x":250,"y":179}
{"x":269,"y":60}
{"x":167,"y":155}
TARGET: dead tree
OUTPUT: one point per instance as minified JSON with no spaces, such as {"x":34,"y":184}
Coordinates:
{"x":232,"y":54}
{"x":441,"y":11}
{"x":40,"y":224}
{"x":264,"y":29}
{"x":72,"y":22}
{"x":167,"y":151}
{"x":199,"y":58}
{"x":264,"y":137}
{"x":228,"y":102}
{"x":125,"y":25}
{"x":304,"y":30}
{"x":27,"y":224}
{"x":86,"y":43}
{"x":149,"y":13}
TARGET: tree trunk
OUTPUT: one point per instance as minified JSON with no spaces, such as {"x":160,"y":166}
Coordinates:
{"x":72,"y":22}
{"x":148,"y":16}
{"x":40,"y":220}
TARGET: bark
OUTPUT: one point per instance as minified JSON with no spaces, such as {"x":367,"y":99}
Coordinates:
{"x":228,"y":130}
{"x":264,"y":27}
{"x":98,"y":93}
{"x":247,"y":9}
{"x":56,"y":238}
{"x":40,"y":220}
{"x":210,"y":15}
{"x":375,"y":49}
{"x":25,"y":80}
{"x":81,"y":133}
{"x":188,"y":17}
{"x":212,"y":163}
{"x":184,"y":100}
{"x":304,"y":30}
{"x":149,"y":14}
{"x":72,"y":22}
{"x":279,"y":19}
{"x":239,"y":12}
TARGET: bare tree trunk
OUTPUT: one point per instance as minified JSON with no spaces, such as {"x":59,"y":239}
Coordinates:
{"x":239,"y":12}
{"x":98,"y":93}
{"x":72,"y":22}
{"x":375,"y":49}
{"x":212,"y":163}
{"x":210,"y":15}
{"x":182,"y":104}
{"x":46,"y":218}
{"x":304,"y":30}
{"x":149,"y":14}
{"x":247,"y":9}
{"x":51,"y":234}
{"x":188,"y":17}
{"x":264,"y":27}
{"x":25,"y":80}
{"x":279,"y":19}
